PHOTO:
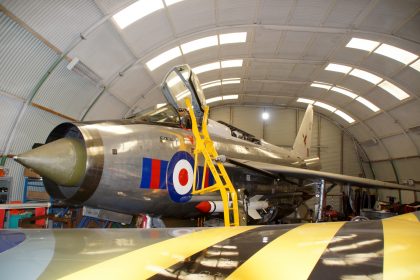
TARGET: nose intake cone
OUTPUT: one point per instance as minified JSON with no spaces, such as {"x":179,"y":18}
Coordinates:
{"x":62,"y":161}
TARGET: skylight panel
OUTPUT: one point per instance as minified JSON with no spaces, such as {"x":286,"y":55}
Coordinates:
{"x":230,"y":97}
{"x":397,"y":54}
{"x":136,"y":11}
{"x":394,"y":90}
{"x":232,"y":63}
{"x":206,"y":67}
{"x":214,"y":99}
{"x":346,"y":117}
{"x":171,"y":2}
{"x":211,"y":84}
{"x":345,"y":92}
{"x":368,"y":104}
{"x":324,"y":86}
{"x":362,"y":44}
{"x":183,"y":94}
{"x":163,"y":58}
{"x":231,"y":81}
{"x":304,"y":100}
{"x":367,"y":76}
{"x":325,"y":106}
{"x":416,"y":65}
{"x":338,"y":68}
{"x":198,"y":44}
{"x":231,"y":38}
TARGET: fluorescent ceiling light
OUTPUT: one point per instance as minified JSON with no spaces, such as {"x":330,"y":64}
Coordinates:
{"x":160,"y":105}
{"x":171,"y":2}
{"x":211,"y":84}
{"x":325,"y":106}
{"x":230,"y":38}
{"x":345,"y":92}
{"x":397,"y":54}
{"x":368,"y":104}
{"x":394,"y":90}
{"x":231,"y":81}
{"x":198,"y":44}
{"x":229,"y":97}
{"x":304,"y":100}
{"x":206,"y":67}
{"x":346,"y":117}
{"x":362,"y":44}
{"x":232,"y":63}
{"x":214,"y":99}
{"x":367,"y":76}
{"x":324,"y":86}
{"x":416,"y":65}
{"x":338,"y":68}
{"x":136,"y":11}
{"x":163,"y":58}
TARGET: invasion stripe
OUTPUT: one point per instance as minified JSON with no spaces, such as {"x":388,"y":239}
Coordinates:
{"x":221,"y":259}
{"x":291,"y":256}
{"x":147,"y":261}
{"x":401,"y":248}
{"x":356,"y":251}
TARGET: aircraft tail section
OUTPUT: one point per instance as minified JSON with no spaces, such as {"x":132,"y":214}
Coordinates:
{"x":302,"y":143}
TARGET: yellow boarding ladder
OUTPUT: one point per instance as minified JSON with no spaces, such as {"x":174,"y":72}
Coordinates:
{"x":204,"y":145}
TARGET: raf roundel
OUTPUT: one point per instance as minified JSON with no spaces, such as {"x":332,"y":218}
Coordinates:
{"x":180,"y":176}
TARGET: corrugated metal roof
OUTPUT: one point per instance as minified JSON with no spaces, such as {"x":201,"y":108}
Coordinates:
{"x":23,"y":59}
{"x":60,"y":22}
{"x":66,"y":92}
{"x":34,"y":127}
{"x":9,"y":111}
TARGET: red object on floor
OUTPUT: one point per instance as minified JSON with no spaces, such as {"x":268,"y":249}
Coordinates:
{"x":16,"y":211}
{"x":2,"y":214}
{"x":40,"y":212}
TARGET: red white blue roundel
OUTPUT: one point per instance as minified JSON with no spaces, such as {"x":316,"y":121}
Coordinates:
{"x":180,"y":176}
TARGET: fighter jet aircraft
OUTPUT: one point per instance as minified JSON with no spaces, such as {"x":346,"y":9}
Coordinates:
{"x":144,"y":164}
{"x":381,"y":249}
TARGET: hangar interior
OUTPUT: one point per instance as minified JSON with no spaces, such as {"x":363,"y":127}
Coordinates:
{"x":357,"y":62}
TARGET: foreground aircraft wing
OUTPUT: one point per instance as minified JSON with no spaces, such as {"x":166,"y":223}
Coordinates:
{"x":327,"y":176}
{"x":377,"y":249}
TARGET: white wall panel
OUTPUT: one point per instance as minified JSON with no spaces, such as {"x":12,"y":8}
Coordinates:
{"x":132,"y":84}
{"x":351,"y":164}
{"x":23,"y":58}
{"x":248,"y":119}
{"x":58,"y":21}
{"x":375,"y":151}
{"x":9,"y":111}
{"x":66,"y":92}
{"x":113,"y":54}
{"x":400,"y":146}
{"x":383,"y":171}
{"x":330,"y":147}
{"x":280,"y":129}
{"x":408,"y":168}
{"x":107,"y":108}
{"x":220,"y":114}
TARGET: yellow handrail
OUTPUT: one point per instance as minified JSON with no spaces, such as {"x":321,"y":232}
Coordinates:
{"x":204,"y":146}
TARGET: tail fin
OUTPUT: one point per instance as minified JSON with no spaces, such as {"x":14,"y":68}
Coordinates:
{"x":303,"y":139}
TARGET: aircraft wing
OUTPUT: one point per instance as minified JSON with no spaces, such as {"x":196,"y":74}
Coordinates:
{"x":327,"y":176}
{"x":342,"y":250}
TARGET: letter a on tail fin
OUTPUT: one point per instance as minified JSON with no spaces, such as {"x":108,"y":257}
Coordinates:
{"x":302,"y":144}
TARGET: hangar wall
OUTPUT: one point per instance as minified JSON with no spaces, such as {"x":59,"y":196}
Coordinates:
{"x":338,"y":151}
{"x":335,"y":148}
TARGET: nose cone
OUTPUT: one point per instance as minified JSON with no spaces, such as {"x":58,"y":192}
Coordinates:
{"x":62,"y":161}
